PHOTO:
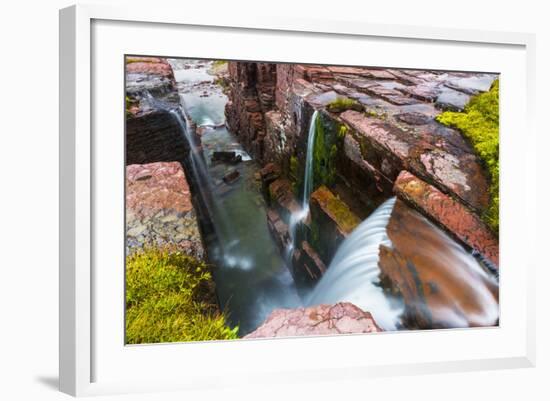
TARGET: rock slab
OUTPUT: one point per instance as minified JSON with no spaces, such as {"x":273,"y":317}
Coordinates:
{"x":453,"y":216}
{"x":341,"y":318}
{"x":159,"y":209}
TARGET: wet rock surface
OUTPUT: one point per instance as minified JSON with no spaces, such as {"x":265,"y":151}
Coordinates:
{"x":392,"y":127}
{"x":331,"y":222}
{"x":341,"y":318}
{"x":159,"y":209}
{"x":152,"y":135}
{"x":454,"y":217}
{"x":441,"y":284}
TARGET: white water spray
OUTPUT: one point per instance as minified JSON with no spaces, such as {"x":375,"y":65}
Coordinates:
{"x":298,"y":216}
{"x":353,"y":274}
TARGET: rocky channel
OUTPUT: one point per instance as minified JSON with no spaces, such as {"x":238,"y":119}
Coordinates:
{"x":376,"y":138}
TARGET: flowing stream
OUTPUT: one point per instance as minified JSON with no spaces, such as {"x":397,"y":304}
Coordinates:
{"x":251,"y":276}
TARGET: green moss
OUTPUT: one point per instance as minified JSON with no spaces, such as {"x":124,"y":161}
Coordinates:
{"x":218,"y":63}
{"x":325,"y":151}
{"x":130,"y":60}
{"x":479,"y":123}
{"x":342,"y":131}
{"x":341,"y":104}
{"x":170,"y":297}
{"x":294,"y":175}
{"x":336,"y":209}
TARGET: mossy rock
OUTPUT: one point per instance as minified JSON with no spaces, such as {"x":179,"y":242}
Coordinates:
{"x":342,"y":104}
{"x":328,"y":142}
{"x":479,"y":123}
{"x":336,"y":209}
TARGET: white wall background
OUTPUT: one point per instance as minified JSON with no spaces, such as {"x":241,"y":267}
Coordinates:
{"x":29,"y":185}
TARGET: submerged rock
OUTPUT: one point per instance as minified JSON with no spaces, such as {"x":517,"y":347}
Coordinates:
{"x":231,"y":176}
{"x":227,"y":157}
{"x":442,"y":285}
{"x":341,"y":318}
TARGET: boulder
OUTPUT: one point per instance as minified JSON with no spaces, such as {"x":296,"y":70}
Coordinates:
{"x":341,"y":318}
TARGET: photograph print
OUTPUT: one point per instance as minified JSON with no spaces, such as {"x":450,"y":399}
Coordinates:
{"x":273,"y":200}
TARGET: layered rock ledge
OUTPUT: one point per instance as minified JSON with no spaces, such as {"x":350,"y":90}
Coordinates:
{"x":373,"y":124}
{"x":159,"y":209}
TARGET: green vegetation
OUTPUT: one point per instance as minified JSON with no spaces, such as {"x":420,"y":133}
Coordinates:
{"x":294,"y":175}
{"x":480,"y":124}
{"x":170,"y":297}
{"x":341,"y":104}
{"x":325,"y":151}
{"x":130,"y":60}
{"x":217,"y":68}
{"x":218,"y":63}
{"x":342,"y":131}
{"x":130,"y":102}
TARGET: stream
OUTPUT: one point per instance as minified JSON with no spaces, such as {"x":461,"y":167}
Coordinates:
{"x":250,"y":274}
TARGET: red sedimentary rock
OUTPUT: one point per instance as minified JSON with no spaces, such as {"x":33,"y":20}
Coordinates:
{"x":448,"y":213}
{"x":341,"y":318}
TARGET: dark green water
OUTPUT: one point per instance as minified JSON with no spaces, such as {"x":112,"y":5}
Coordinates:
{"x":250,"y":274}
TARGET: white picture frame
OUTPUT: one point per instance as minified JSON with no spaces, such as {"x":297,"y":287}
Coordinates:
{"x":82,"y":344}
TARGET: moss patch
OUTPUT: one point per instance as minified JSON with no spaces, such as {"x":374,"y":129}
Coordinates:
{"x":131,"y":104}
{"x":325,"y":152}
{"x":341,"y":104}
{"x":479,"y":123}
{"x":336,"y":209}
{"x":170,"y":297}
{"x":294,"y":175}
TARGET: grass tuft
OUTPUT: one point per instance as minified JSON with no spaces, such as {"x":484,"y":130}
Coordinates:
{"x":170,"y":297}
{"x":479,"y":123}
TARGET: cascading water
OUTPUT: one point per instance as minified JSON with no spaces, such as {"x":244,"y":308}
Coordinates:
{"x":198,"y":165}
{"x":353,"y":274}
{"x":465,"y":290}
{"x":298,"y":216}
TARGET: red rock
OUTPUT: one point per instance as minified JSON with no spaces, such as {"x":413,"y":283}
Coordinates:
{"x":162,"y":69}
{"x":379,"y":133}
{"x":311,"y":262}
{"x":341,"y":318}
{"x":422,"y":92}
{"x":449,"y":214}
{"x":450,"y":168}
{"x":278,"y":228}
{"x":154,"y":186}
{"x":441,"y":284}
{"x":282,"y":197}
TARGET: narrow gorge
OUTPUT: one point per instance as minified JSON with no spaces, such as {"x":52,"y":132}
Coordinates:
{"x":308,"y":199}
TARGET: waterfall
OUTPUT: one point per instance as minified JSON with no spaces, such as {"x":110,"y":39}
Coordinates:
{"x":298,"y":216}
{"x":353,"y":274}
{"x":199,"y":168}
{"x":308,"y":174}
